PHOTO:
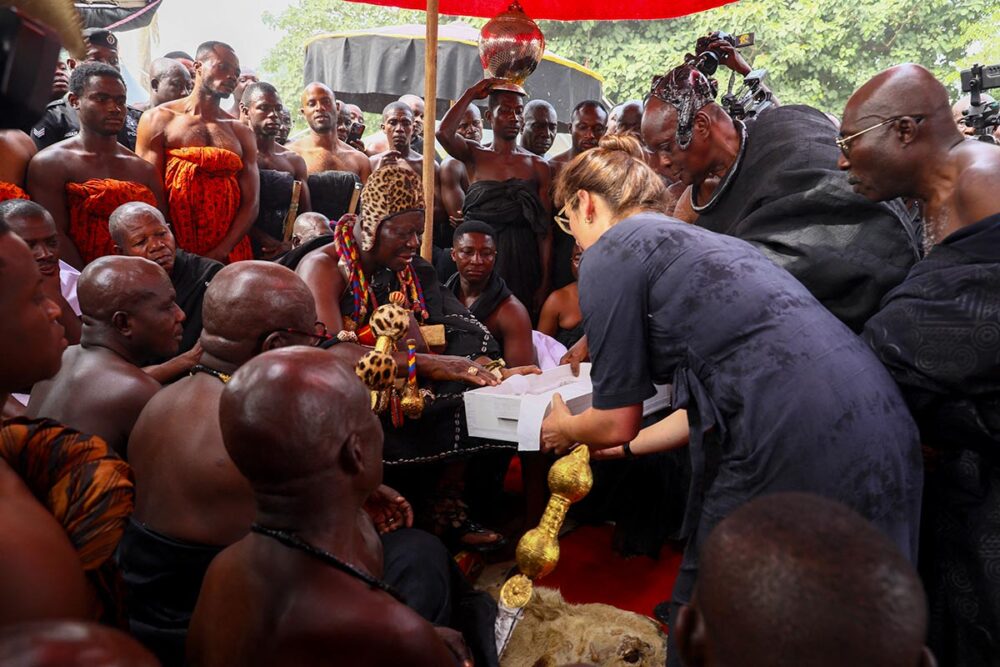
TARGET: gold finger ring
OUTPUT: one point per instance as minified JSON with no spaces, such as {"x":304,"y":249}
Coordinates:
{"x":473,"y":370}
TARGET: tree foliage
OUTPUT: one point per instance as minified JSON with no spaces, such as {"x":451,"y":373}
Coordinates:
{"x":816,"y":51}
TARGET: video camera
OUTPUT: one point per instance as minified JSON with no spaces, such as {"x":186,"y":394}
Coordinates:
{"x":982,"y":117}
{"x":753,"y":96}
{"x":27,"y":48}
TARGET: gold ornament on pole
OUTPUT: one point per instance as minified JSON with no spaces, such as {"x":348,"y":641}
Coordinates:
{"x":510,"y":48}
{"x":570,"y":479}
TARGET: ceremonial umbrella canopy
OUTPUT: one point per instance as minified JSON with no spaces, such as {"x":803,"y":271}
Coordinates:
{"x":374,"y":67}
{"x":560,"y":10}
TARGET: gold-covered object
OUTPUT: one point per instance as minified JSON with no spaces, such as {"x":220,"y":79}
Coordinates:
{"x":570,"y":479}
{"x":510,"y":48}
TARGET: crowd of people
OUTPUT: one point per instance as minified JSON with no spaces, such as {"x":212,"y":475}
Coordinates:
{"x":195,"y":474}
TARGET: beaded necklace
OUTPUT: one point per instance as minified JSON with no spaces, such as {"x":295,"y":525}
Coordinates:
{"x":361,"y":290}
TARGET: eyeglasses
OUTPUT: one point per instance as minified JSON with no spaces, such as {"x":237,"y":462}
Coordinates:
{"x":319,"y":336}
{"x":843,"y":143}
{"x":562,"y":220}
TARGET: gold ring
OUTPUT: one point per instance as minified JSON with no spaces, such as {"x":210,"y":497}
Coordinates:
{"x":473,"y":370}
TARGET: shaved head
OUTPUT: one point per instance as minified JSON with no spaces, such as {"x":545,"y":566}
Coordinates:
{"x":796,"y":579}
{"x":287,"y":414}
{"x":128,"y":213}
{"x":164,"y":67}
{"x":309,"y":226}
{"x":117,"y":283}
{"x":901,"y":90}
{"x":70,"y":644}
{"x":626,"y":117}
{"x":248,"y":300}
{"x":317,"y":88}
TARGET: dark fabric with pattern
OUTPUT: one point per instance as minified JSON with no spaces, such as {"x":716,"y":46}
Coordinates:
{"x":780,"y":395}
{"x":86,"y":487}
{"x":442,"y":431}
{"x":190,"y":276}
{"x":275,"y":200}
{"x":292,"y":258}
{"x":512,"y":208}
{"x":939,"y":335}
{"x":793,"y":204}
{"x":496,"y":292}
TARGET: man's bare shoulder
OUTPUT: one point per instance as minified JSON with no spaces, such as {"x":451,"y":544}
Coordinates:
{"x":16,"y":141}
{"x":303,"y":144}
{"x":978,"y":165}
{"x":162,"y":115}
{"x":324,"y":258}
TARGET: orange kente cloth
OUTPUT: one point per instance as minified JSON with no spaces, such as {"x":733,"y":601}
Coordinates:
{"x":90,"y":205}
{"x":11,"y":191}
{"x":204,"y":196}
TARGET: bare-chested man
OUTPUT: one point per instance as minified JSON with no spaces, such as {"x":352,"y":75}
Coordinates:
{"x":398,"y":124}
{"x":248,"y":77}
{"x":208,"y":161}
{"x":34,"y":225}
{"x":540,"y":126}
{"x":296,"y":424}
{"x":279,"y":167}
{"x":16,"y":151}
{"x":129,"y":318}
{"x":321,"y":148}
{"x":169,"y":80}
{"x":192,"y":500}
{"x":454,"y":177}
{"x":509,"y":190}
{"x":588,"y":124}
{"x":41,"y":577}
{"x":81,"y":180}
{"x":934,"y":333}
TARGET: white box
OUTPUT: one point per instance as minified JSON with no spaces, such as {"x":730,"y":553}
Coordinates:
{"x":498,"y":414}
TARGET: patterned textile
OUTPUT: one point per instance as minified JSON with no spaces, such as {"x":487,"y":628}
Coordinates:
{"x":938,"y":333}
{"x":11,"y":191}
{"x":85,"y":486}
{"x":91,"y":203}
{"x":204,"y":195}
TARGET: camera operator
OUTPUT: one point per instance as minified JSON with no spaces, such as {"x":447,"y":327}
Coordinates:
{"x":779,"y":188}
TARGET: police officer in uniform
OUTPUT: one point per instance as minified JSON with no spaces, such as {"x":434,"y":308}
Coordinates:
{"x":60,"y":120}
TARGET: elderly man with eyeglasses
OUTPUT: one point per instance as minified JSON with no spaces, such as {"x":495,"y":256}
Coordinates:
{"x":938,"y":333}
{"x":779,"y":189}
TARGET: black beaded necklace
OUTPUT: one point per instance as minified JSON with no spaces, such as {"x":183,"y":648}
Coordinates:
{"x":222,"y":377}
{"x":293,"y":541}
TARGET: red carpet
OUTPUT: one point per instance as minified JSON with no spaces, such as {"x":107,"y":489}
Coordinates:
{"x":589,"y":571}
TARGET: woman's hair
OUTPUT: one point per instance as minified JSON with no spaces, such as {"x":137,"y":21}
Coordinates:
{"x":617,"y":171}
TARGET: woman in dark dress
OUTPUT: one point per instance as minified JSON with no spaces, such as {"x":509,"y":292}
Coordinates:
{"x":771,"y":392}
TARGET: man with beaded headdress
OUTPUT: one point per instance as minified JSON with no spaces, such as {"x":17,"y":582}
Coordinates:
{"x":374,"y":255}
{"x":779,"y":188}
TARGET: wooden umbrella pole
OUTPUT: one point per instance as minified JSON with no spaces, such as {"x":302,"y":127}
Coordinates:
{"x":430,"y":126}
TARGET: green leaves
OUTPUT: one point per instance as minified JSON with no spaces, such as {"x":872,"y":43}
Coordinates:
{"x":816,"y":51}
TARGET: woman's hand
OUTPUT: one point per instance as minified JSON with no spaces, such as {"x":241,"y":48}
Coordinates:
{"x":447,"y":368}
{"x":554,"y":437}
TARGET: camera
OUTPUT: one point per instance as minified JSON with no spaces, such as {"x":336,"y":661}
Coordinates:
{"x":707,"y":60}
{"x":983,"y":117}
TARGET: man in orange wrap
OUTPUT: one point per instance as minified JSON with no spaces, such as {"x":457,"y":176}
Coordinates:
{"x":83,"y":179}
{"x":16,"y":150}
{"x":208,"y":161}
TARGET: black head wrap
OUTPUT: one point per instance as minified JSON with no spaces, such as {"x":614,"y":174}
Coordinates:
{"x":688,"y":90}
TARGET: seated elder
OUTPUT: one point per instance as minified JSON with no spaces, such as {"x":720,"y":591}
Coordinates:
{"x":66,"y":496}
{"x":139,"y":230}
{"x":823,"y":593}
{"x":129,"y":318}
{"x":480,"y":289}
{"x":771,"y":391}
{"x":373,"y":255}
{"x":305,"y":587}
